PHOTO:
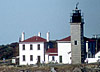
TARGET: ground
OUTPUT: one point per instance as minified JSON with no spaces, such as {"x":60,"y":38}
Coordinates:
{"x":52,"y":68}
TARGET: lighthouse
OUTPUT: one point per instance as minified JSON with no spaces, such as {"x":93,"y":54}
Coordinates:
{"x":77,"y":36}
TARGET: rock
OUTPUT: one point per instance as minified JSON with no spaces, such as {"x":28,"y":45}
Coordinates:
{"x":53,"y":69}
{"x":77,"y":70}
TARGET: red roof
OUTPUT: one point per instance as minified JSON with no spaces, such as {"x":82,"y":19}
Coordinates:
{"x":35,"y":39}
{"x":66,"y":39}
{"x":52,"y":50}
{"x":69,"y":39}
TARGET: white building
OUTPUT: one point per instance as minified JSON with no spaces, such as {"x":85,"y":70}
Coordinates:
{"x":35,"y":49}
{"x":97,"y":55}
{"x":32,"y":50}
{"x":51,"y":55}
{"x":64,"y":50}
{"x":61,"y":54}
{"x":94,"y":60}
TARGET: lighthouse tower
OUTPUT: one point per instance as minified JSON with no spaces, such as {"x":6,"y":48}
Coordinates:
{"x":77,"y":36}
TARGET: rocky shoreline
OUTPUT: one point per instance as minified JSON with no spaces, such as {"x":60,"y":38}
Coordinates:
{"x":56,"y":68}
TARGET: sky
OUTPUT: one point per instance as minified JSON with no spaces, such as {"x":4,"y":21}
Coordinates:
{"x":33,"y":16}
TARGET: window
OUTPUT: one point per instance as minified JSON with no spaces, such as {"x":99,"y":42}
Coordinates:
{"x":98,"y":56}
{"x":60,"y":59}
{"x":31,"y":47}
{"x":23,"y":47}
{"x":53,"y":58}
{"x":89,"y":55}
{"x":38,"y":46}
{"x":75,"y":43}
{"x":31,"y":57}
{"x":23,"y":57}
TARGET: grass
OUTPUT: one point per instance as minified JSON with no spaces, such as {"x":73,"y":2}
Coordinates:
{"x":47,"y":68}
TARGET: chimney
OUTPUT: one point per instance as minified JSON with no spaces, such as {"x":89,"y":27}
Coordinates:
{"x":23,"y":36}
{"x":48,"y":36}
{"x":39,"y":34}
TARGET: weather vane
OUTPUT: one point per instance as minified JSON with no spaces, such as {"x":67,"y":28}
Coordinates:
{"x":77,"y":5}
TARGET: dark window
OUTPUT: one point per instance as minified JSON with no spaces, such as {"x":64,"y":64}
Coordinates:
{"x":38,"y":46}
{"x":31,"y":57}
{"x":23,"y":57}
{"x":98,"y":56}
{"x":23,"y":47}
{"x":38,"y":59}
{"x":60,"y":59}
{"x":31,"y":47}
{"x":75,"y":42}
{"x":89,"y":55}
{"x":53,"y":58}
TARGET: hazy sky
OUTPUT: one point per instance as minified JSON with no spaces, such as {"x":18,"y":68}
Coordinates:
{"x":33,"y":16}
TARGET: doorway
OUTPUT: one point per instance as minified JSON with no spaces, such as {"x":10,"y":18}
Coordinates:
{"x":39,"y":59}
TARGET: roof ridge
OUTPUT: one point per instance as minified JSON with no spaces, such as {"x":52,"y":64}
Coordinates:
{"x":65,"y":39}
{"x":35,"y":39}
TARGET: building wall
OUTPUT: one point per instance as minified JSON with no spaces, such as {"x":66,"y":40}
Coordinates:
{"x":76,"y":36}
{"x":97,"y":55}
{"x":94,"y":60}
{"x":90,"y":49}
{"x":27,"y":52}
{"x":64,"y":50}
{"x":55,"y":59}
{"x":48,"y":58}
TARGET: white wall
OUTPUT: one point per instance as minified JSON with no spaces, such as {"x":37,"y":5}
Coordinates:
{"x":97,"y":55}
{"x":87,"y":48}
{"x":49,"y":59}
{"x":46,"y":58}
{"x":63,"y":50}
{"x":92,"y":60}
{"x":27,"y":52}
